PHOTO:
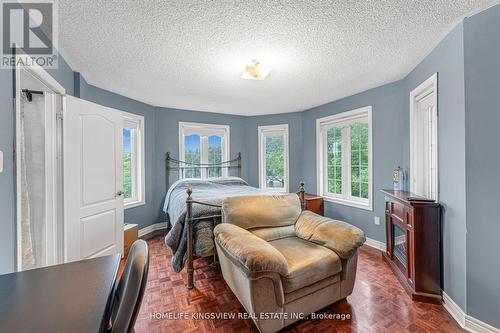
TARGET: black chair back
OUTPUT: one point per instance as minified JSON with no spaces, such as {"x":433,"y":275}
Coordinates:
{"x":130,"y":289}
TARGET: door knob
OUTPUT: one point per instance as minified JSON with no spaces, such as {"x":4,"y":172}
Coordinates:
{"x":119,"y":193}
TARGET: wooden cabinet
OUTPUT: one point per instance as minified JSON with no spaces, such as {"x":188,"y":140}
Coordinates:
{"x":314,"y":203}
{"x":130,"y":235}
{"x":413,"y":233}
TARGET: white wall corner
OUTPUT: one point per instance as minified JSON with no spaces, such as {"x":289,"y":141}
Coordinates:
{"x":475,"y":325}
{"x":375,"y":244}
{"x":465,"y":321}
{"x":150,"y":228}
{"x":454,"y":310}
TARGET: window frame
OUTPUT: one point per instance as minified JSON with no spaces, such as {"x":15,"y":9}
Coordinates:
{"x":138,"y":160}
{"x":204,"y":131}
{"x":264,"y":132}
{"x":344,"y":120}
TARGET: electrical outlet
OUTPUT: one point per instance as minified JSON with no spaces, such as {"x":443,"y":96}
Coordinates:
{"x":1,"y":161}
{"x":376,"y":220}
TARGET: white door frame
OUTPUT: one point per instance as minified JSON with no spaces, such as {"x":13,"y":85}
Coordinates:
{"x":52,"y":178}
{"x":425,"y":88}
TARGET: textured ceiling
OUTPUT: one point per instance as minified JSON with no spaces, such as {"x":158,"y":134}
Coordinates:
{"x":189,"y":54}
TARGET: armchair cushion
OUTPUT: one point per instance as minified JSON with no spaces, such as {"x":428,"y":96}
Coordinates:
{"x":249,"y":251}
{"x":308,"y":262}
{"x":340,"y":237}
{"x":261,"y":211}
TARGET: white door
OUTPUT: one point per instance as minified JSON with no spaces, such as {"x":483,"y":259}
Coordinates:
{"x":424,"y":139}
{"x":425,"y":146}
{"x":93,"y":198}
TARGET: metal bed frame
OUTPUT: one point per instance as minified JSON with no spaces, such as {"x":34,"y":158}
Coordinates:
{"x":173,"y":164}
{"x":181,"y":166}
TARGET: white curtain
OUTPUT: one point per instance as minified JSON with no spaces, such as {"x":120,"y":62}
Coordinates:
{"x":33,"y":230}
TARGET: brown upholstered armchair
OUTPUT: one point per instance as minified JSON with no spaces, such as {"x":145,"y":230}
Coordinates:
{"x":283,"y":263}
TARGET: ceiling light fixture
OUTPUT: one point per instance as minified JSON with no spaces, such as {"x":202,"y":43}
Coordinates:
{"x":255,"y":71}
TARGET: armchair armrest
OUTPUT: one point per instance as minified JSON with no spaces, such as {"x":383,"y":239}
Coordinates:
{"x":340,"y":237}
{"x":249,"y":251}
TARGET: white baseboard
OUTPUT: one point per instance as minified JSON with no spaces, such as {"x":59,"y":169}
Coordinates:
{"x":454,"y":310}
{"x":153,"y":227}
{"x":375,"y":244}
{"x":477,"y":326}
{"x":467,"y":322}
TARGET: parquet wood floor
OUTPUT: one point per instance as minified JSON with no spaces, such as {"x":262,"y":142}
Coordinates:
{"x":378,"y":303}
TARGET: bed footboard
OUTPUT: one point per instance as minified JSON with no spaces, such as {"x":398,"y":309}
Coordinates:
{"x":189,"y":221}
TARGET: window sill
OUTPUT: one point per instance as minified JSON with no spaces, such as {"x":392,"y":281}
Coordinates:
{"x":133,"y":204}
{"x":349,"y":203}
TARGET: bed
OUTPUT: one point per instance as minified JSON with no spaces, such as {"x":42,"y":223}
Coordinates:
{"x":193,"y":209}
{"x":211,"y":191}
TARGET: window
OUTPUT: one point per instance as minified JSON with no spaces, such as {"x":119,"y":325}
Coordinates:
{"x":273,"y":157}
{"x":423,"y":139}
{"x":133,"y":160}
{"x":203,"y":144}
{"x":344,"y":147}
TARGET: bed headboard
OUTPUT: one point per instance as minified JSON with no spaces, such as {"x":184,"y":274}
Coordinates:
{"x":175,"y":165}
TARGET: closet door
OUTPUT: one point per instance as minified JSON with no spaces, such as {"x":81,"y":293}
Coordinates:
{"x":93,"y":196}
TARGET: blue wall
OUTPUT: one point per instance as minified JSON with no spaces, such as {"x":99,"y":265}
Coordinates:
{"x":482,"y":95}
{"x":64,"y":75}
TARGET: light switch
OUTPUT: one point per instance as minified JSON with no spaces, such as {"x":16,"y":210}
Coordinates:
{"x":377,"y":220}
{"x":1,"y":161}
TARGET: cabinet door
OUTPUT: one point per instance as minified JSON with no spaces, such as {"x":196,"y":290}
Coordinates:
{"x":388,"y":230}
{"x":410,"y":239}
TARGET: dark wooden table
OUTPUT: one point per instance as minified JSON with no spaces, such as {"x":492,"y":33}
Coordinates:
{"x":314,"y":203}
{"x":73,"y":297}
